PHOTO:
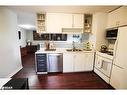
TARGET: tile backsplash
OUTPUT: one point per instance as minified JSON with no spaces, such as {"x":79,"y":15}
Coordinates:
{"x":79,"y":40}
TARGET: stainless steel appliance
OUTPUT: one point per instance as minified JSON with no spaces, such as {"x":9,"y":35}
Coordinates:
{"x":55,"y":62}
{"x":111,"y":33}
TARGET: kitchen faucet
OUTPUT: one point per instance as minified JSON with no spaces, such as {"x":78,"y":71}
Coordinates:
{"x":73,"y":44}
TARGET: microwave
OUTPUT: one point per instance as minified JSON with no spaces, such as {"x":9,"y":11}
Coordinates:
{"x":111,"y":34}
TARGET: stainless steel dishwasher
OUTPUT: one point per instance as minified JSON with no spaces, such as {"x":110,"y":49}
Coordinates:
{"x":55,"y":62}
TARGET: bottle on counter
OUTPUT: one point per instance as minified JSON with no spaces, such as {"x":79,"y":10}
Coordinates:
{"x":52,"y":45}
{"x":87,"y":46}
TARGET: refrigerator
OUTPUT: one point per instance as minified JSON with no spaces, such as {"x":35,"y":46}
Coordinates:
{"x":119,"y":69}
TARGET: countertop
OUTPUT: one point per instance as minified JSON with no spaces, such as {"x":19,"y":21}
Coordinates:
{"x":62,"y":50}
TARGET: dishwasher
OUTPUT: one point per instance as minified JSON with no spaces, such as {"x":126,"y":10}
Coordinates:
{"x":55,"y":62}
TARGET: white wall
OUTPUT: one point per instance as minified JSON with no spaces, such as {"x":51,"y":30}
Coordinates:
{"x":98,"y":30}
{"x":10,"y":59}
{"x":22,"y":41}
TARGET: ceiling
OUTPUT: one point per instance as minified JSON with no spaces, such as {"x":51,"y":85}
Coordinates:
{"x":27,"y":14}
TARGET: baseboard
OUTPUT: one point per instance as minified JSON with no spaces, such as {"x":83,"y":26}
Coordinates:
{"x":13,"y":73}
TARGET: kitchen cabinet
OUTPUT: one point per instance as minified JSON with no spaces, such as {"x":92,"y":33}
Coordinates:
{"x":57,"y":21}
{"x":78,"y":61}
{"x":117,"y":17}
{"x":66,"y":20}
{"x":77,"y":21}
{"x":72,"y":20}
{"x":89,"y":60}
{"x":88,"y":23}
{"x":54,"y":22}
{"x":41,"y":22}
{"x":68,"y":62}
{"x":73,"y":23}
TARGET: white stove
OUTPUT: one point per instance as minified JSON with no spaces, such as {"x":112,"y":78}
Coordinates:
{"x":103,"y":65}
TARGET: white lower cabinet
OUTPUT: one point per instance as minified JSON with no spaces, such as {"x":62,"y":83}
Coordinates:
{"x":78,"y":61}
{"x":68,"y":62}
{"x":89,"y":60}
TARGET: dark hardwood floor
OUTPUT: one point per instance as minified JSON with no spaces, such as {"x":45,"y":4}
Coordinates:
{"x":80,"y":80}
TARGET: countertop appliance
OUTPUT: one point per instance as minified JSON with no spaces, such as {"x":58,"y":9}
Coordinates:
{"x":118,"y":76}
{"x":111,"y":33}
{"x":55,"y":62}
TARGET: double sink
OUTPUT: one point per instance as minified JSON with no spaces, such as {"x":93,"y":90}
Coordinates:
{"x":69,"y":50}
{"x":73,"y":50}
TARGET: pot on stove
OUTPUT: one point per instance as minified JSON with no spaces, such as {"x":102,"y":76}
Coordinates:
{"x":104,"y":48}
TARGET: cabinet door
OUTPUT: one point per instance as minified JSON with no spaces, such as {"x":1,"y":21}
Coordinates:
{"x":113,"y":19}
{"x":66,"y":20}
{"x":78,"y":20}
{"x":79,"y":62}
{"x":89,"y":59}
{"x":54,"y":23}
{"x":123,"y":15}
{"x":68,"y":61}
{"x":117,"y":17}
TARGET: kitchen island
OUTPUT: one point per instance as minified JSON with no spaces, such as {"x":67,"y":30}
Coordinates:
{"x":72,"y":61}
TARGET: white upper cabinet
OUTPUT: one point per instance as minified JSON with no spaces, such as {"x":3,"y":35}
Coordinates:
{"x":117,"y":17}
{"x":55,"y":22}
{"x":72,"y":20}
{"x":78,"y":20}
{"x":66,"y":20}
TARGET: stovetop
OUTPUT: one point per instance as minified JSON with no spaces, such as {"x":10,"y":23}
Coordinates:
{"x":108,"y":52}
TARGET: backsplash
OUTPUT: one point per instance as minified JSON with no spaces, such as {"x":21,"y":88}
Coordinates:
{"x":79,"y":40}
{"x":65,"y":45}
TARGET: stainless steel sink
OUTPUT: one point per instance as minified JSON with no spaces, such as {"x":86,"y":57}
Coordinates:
{"x":50,"y":49}
{"x":73,"y":50}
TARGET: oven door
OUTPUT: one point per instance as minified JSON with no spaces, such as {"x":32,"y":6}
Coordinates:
{"x":104,"y":65}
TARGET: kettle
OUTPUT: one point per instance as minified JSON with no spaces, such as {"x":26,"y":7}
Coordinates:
{"x":104,"y":48}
